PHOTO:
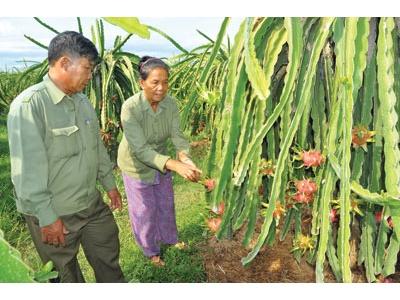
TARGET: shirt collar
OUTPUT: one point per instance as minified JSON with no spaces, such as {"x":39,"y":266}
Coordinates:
{"x":55,"y":93}
{"x":145,"y":104}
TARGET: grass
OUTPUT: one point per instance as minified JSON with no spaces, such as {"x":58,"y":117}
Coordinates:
{"x":11,"y":84}
{"x":181,"y":265}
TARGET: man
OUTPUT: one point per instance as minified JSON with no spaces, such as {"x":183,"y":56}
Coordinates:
{"x":57,"y":156}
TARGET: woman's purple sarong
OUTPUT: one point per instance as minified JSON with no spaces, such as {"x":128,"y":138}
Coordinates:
{"x":152,"y":212}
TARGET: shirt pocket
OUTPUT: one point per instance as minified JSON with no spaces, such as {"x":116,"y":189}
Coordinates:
{"x":93,"y":132}
{"x":64,"y":142}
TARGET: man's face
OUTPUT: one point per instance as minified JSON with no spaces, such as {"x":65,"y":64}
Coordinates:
{"x":79,"y":73}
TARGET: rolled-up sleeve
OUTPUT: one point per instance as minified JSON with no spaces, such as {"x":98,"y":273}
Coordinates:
{"x":138,"y":145}
{"x":29,"y":165}
{"x":178,"y":139}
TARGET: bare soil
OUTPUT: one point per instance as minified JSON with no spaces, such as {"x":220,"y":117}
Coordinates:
{"x":222,"y":261}
{"x":222,"y":258}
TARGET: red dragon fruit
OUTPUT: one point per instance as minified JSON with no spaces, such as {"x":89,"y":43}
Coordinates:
{"x":306,"y":186}
{"x":209,"y":184}
{"x":333,"y":216}
{"x":390,"y":222}
{"x":312,"y":158}
{"x":378,"y":216}
{"x":220,"y":209}
{"x":214,"y":223}
{"x":303,"y":197}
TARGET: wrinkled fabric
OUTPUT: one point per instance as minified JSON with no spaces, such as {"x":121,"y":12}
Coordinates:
{"x":56,"y":152}
{"x":143,"y":148}
{"x":152,"y":212}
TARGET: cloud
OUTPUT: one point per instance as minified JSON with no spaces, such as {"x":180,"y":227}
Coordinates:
{"x":7,"y":28}
{"x":14,"y":46}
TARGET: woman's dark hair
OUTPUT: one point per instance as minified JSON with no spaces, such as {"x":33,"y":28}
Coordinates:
{"x":148,"y":64}
{"x":71,"y":43}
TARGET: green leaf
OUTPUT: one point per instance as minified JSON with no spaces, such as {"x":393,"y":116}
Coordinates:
{"x":233,"y":80}
{"x":294,"y":28}
{"x":205,"y":71}
{"x":256,"y":75}
{"x":321,"y":37}
{"x":381,"y":240}
{"x":46,"y":273}
{"x":387,"y":97}
{"x":12,"y":269}
{"x":391,"y":256}
{"x":175,"y":43}
{"x":35,"y":42}
{"x":130,"y":25}
{"x":348,"y":47}
{"x":331,"y":254}
{"x":367,"y":245}
{"x":46,"y":26}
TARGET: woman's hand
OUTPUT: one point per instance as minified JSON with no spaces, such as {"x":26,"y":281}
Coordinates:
{"x":188,"y":161}
{"x":187,"y":171}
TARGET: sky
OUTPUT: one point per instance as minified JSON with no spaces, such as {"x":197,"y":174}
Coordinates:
{"x":178,"y":18}
{"x":14,"y":47}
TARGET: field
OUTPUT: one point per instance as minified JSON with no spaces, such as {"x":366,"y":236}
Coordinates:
{"x":181,"y":265}
{"x":295,"y":124}
{"x":205,"y":260}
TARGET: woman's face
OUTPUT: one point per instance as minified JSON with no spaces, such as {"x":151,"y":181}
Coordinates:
{"x":155,"y":87}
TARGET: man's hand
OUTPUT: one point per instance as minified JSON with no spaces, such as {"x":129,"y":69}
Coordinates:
{"x":53,"y":234}
{"x":115,"y":198}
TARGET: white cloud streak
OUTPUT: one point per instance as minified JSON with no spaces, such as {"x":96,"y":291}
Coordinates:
{"x":183,"y":30}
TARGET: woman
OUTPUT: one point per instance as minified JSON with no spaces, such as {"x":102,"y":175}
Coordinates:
{"x":149,"y":119}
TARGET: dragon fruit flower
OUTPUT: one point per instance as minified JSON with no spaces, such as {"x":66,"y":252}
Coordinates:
{"x":267,"y":167}
{"x":360,"y":136}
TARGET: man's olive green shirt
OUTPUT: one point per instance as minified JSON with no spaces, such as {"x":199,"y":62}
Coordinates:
{"x":56,"y":152}
{"x":143,"y":149}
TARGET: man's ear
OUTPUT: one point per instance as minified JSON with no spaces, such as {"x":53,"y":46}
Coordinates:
{"x":64,"y":62}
